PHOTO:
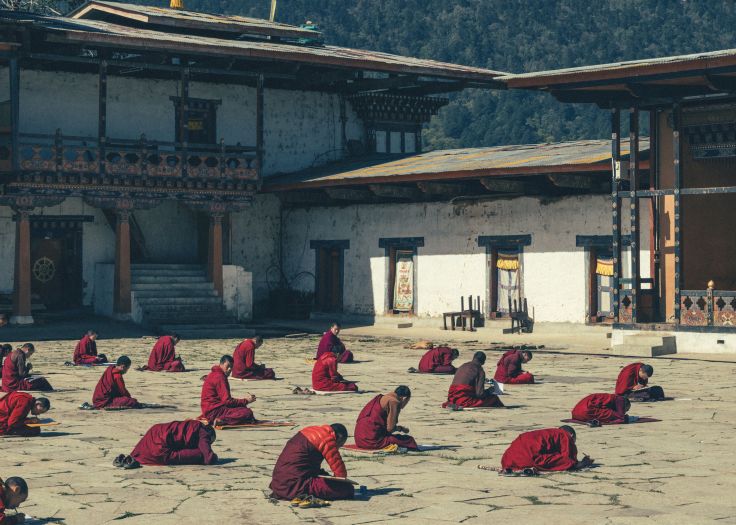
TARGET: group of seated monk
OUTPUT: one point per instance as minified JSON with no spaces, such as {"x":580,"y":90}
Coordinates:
{"x":16,"y":374}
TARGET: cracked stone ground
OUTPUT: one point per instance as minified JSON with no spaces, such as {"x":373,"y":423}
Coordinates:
{"x":678,"y":470}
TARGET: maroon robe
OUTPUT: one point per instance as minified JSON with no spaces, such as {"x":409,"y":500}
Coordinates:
{"x":85,"y":353}
{"x":244,"y":364}
{"x":328,"y":342}
{"x":163,"y":356}
{"x":547,"y":449}
{"x":629,"y":378}
{"x":437,"y":361}
{"x":14,"y":409}
{"x":371,"y":429}
{"x":110,"y":391}
{"x":468,"y":388}
{"x":508,"y":369}
{"x":175,"y":443}
{"x":607,"y":409}
{"x":17,"y":377}
{"x":217,"y":403}
{"x":325,"y":377}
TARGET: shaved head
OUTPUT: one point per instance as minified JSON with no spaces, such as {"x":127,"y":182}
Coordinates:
{"x":479,"y":357}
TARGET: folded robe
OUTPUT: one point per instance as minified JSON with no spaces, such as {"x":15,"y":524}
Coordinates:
{"x":163,"y":356}
{"x":605,"y":408}
{"x":14,"y":409}
{"x":111,"y":392}
{"x":508,"y":369}
{"x":372,"y":428}
{"x":547,"y":449}
{"x":175,"y":443}
{"x":244,"y":364}
{"x":330,"y":341}
{"x":325,"y":377}
{"x":85,"y":353}
{"x":437,"y":361}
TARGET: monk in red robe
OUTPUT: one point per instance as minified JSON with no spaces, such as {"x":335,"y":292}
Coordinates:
{"x":468,"y":388}
{"x":85,"y":353}
{"x":602,"y":409}
{"x":299,"y":465}
{"x":163,"y":356}
{"x":14,"y":410}
{"x":325,"y":377}
{"x":544,"y":450}
{"x":110,"y":391}
{"x":218,"y":406}
{"x":509,"y":369}
{"x":244,"y":358}
{"x":13,"y":492}
{"x":330,"y":342}
{"x":17,"y":372}
{"x":379,"y":420}
{"x":438,"y":361}
{"x":177,"y":443}
{"x":5,"y":351}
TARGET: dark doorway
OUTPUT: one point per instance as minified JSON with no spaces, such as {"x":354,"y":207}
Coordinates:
{"x":56,"y":261}
{"x":329,"y":279}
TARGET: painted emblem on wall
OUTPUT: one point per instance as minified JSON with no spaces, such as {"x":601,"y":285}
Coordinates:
{"x":44,"y":269}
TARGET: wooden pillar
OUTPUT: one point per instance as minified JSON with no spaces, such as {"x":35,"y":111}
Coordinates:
{"x":14,"y":82}
{"x":22,"y":281}
{"x":592,"y":285}
{"x":616,"y":216}
{"x":102,"y":114}
{"x":343,"y":125}
{"x":214,"y":254}
{"x":676,"y":118}
{"x":122,"y":306}
{"x":634,"y":209}
{"x":260,"y":153}
{"x":184,"y":120}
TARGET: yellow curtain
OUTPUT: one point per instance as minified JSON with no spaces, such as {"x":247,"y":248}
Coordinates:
{"x":604,"y":266}
{"x":507,"y":261}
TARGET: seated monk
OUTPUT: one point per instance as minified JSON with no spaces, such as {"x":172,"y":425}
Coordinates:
{"x":163,"y":356}
{"x":110,"y":391}
{"x":85,"y":353}
{"x":330,"y":341}
{"x":438,"y":361}
{"x":544,"y":450}
{"x":325,"y":377}
{"x":468,"y":386}
{"x":298,"y":467}
{"x":635,"y":377}
{"x":5,"y":351}
{"x":218,"y":406}
{"x":379,"y":420}
{"x":244,"y":358}
{"x":14,"y":410}
{"x":17,"y":373}
{"x":13,"y":492}
{"x":177,"y":443}
{"x":509,"y":369}
{"x":602,"y":409}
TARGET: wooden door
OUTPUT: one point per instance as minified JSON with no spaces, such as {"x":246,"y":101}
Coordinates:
{"x":56,"y":264}
{"x":328,"y":296}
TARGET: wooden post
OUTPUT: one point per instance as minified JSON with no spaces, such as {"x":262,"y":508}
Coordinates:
{"x":343,"y":125}
{"x":122,"y":306}
{"x":654,"y":248}
{"x":592,"y":285}
{"x":102,"y":115}
{"x":14,"y":81}
{"x":22,"y":281}
{"x":616,"y":216}
{"x":260,"y":154}
{"x":214,"y":254}
{"x":634,"y":209}
{"x":184,"y":120}
{"x":676,"y":118}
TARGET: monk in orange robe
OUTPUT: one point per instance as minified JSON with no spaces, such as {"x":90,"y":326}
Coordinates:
{"x":468,"y":388}
{"x":244,"y":361}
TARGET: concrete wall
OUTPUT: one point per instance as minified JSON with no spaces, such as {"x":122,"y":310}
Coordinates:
{"x":451,"y":263}
{"x":237,"y":292}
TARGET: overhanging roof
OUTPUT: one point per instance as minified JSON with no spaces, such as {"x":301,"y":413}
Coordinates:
{"x":588,"y":156}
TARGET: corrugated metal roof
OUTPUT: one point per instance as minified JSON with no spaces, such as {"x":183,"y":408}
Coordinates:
{"x":192,"y":19}
{"x":517,"y":160}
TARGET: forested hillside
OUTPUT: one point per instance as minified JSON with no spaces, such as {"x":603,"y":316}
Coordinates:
{"x":509,"y":35}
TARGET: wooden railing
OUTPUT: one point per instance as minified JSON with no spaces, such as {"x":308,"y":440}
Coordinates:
{"x":64,"y":154}
{"x":708,"y":307}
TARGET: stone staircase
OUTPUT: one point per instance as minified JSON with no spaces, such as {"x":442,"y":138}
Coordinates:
{"x":179,"y":298}
{"x":645,"y":345}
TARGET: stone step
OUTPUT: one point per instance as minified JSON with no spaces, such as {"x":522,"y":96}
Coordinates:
{"x":644,"y":350}
{"x":165,"y":274}
{"x":176,"y":292}
{"x":153,"y":279}
{"x":154,"y":266}
{"x":148,"y":303}
{"x":164,"y":286}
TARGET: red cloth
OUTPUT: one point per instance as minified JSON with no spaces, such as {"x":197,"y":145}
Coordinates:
{"x":14,"y":409}
{"x":85,"y":353}
{"x":110,"y":391}
{"x":163,"y":356}
{"x":508,"y":369}
{"x":437,"y":361}
{"x":605,"y":408}
{"x":328,"y":342}
{"x":371,"y":429}
{"x":628,"y":378}
{"x":217,"y":403}
{"x":245,"y":367}
{"x":547,"y":449}
{"x":465,"y":396}
{"x":325,"y":377}
{"x":299,"y":465}
{"x":175,"y":443}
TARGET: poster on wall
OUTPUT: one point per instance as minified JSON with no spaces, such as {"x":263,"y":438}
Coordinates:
{"x":404,"y":285}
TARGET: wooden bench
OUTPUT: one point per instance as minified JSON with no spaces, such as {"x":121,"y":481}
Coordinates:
{"x":465,"y":318}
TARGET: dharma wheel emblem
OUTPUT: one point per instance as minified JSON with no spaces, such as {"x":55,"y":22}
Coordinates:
{"x":44,"y":269}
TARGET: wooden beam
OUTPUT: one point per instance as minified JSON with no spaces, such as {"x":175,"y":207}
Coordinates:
{"x":581,"y":182}
{"x":445,"y":189}
{"x":505,"y":185}
{"x":349,"y":194}
{"x":720,"y":83}
{"x":390,"y":191}
{"x":304,"y":197}
{"x":377,"y":84}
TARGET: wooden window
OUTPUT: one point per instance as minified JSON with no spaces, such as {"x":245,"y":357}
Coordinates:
{"x":201,"y":120}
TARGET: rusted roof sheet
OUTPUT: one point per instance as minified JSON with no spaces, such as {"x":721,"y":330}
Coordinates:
{"x":630,"y":70}
{"x":190,"y":19}
{"x":530,"y":159}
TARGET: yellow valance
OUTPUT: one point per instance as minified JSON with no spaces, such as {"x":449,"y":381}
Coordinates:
{"x":508,"y":261}
{"x":604,"y":267}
